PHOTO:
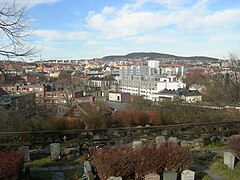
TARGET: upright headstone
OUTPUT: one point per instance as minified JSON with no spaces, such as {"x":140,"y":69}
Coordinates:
{"x":25,"y":151}
{"x":171,"y":175}
{"x":229,"y":159}
{"x":160,"y":140}
{"x":187,"y":175}
{"x":55,"y":151}
{"x":184,"y":143}
{"x":137,"y":144}
{"x":88,"y":171}
{"x":114,"y":178}
{"x":152,"y":177}
{"x":173,"y":140}
{"x":164,"y":132}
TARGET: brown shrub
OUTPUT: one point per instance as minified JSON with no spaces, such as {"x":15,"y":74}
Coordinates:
{"x":113,"y":161}
{"x":233,"y":143}
{"x":11,"y":165}
{"x":124,"y":161}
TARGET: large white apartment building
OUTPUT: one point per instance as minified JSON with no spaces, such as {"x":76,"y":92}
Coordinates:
{"x":145,"y":80}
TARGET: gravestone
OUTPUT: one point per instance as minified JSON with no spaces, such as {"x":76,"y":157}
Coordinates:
{"x":152,"y":177}
{"x":25,"y":151}
{"x":88,"y":171}
{"x":187,"y":175}
{"x":171,"y":175}
{"x":229,"y":159}
{"x":96,"y":137}
{"x":164,"y":132}
{"x":184,"y":143}
{"x":115,"y":178}
{"x":173,"y":140}
{"x":55,"y":151}
{"x":136,"y":144}
{"x":160,"y":140}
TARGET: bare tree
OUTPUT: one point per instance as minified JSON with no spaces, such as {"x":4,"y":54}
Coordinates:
{"x":234,"y":76}
{"x":14,"y":31}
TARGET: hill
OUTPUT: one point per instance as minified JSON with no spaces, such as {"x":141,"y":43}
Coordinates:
{"x":154,"y":56}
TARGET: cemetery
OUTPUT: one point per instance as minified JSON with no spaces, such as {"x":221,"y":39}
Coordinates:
{"x":127,"y":153}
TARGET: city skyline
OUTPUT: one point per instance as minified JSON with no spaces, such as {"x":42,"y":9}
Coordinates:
{"x":87,"y":29}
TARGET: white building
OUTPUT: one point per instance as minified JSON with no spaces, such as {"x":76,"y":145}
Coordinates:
{"x":153,"y":64}
{"x":144,"y":80}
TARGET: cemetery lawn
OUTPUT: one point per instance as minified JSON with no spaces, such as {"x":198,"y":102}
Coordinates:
{"x":216,"y":166}
{"x":222,"y":170}
{"x":46,"y":162}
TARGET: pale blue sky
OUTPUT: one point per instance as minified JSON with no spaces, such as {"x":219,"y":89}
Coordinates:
{"x":95,"y":28}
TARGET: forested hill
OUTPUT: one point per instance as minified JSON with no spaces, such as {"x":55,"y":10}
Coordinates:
{"x":153,"y":56}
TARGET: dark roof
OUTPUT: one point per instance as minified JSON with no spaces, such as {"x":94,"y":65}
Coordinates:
{"x":169,"y":92}
{"x":189,"y":93}
{"x":101,"y":78}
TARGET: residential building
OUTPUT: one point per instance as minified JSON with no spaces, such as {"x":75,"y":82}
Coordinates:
{"x":119,"y":97}
{"x":24,"y":102}
{"x":190,"y":96}
{"x":197,"y":87}
{"x":144,"y":80}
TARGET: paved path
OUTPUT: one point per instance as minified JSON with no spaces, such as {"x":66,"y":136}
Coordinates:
{"x":55,"y":168}
{"x":58,"y":176}
{"x":56,"y":171}
{"x":208,"y":172}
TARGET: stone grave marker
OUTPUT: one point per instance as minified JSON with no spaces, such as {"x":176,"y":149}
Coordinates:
{"x":96,"y":137}
{"x":160,"y":140}
{"x":229,"y":159}
{"x":25,"y":151}
{"x":55,"y":151}
{"x":171,"y":175}
{"x":136,"y":144}
{"x":187,"y":175}
{"x":114,"y":178}
{"x":164,"y":132}
{"x":184,"y":143}
{"x":152,"y":177}
{"x":88,"y":171}
{"x":173,"y":140}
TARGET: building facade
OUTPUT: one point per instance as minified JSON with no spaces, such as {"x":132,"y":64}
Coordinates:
{"x":145,"y":80}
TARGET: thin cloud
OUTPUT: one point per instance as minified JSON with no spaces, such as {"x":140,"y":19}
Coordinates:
{"x":54,"y":35}
{"x":32,"y":3}
{"x":132,"y":20}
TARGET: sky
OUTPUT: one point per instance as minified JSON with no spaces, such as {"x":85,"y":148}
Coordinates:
{"x":78,"y":29}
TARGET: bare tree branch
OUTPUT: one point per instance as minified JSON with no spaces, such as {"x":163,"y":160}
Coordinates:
{"x":14,"y":31}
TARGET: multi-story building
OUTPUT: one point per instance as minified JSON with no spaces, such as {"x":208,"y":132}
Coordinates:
{"x":145,"y":80}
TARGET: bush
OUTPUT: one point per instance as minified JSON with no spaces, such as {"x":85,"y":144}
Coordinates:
{"x":11,"y":165}
{"x":113,"y":161}
{"x":233,"y":143}
{"x":124,"y":161}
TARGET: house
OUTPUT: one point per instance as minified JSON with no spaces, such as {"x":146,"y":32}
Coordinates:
{"x":197,"y":87}
{"x":119,"y":97}
{"x":39,"y":90}
{"x":190,"y":96}
{"x":87,"y":113}
{"x":24,"y":102}
{"x":164,"y":95}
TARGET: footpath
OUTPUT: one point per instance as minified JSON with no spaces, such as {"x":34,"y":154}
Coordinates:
{"x":56,"y":171}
